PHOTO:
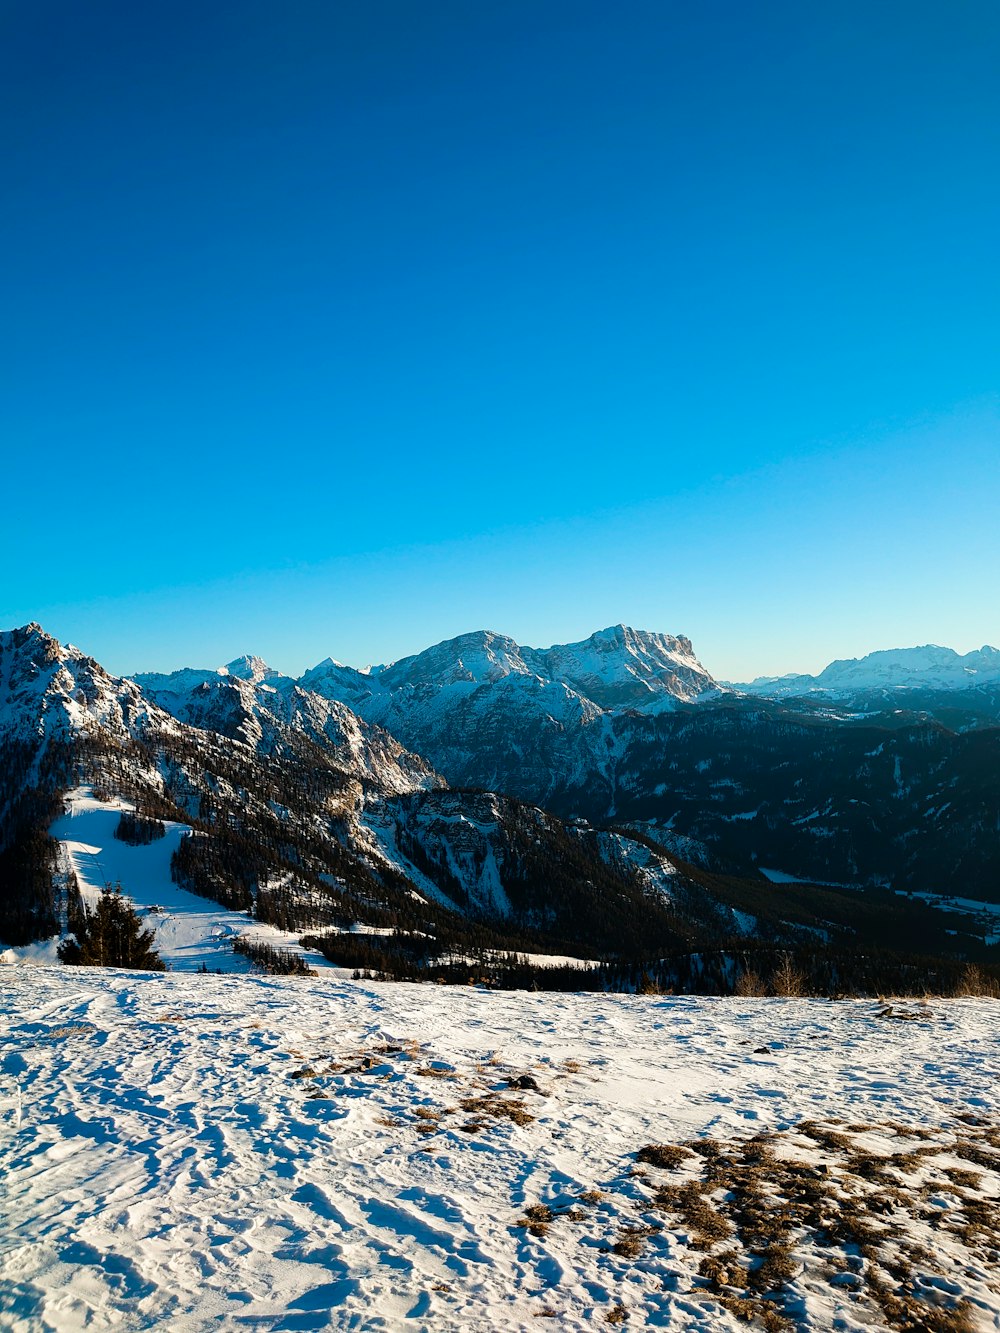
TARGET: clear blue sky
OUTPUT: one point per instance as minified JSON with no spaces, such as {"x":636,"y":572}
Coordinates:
{"x":342,"y":328}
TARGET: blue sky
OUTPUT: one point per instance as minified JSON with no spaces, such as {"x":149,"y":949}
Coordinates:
{"x":343,"y":329}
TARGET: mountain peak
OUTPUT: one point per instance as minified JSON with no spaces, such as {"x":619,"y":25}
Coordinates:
{"x":642,"y":639}
{"x":52,"y":689}
{"x":624,"y":667}
{"x":33,"y":640}
{"x":250,"y":668}
{"x":479,"y":657}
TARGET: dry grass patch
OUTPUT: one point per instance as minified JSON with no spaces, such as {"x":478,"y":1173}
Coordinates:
{"x":663,"y":1155}
{"x":630,"y":1243}
{"x":964,"y":1179}
{"x":690,"y":1203}
{"x":593,"y":1196}
{"x":865,"y":1217}
{"x":536,"y":1220}
{"x":498,"y":1108}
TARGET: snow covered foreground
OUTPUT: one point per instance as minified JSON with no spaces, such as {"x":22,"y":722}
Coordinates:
{"x":193,"y":1152}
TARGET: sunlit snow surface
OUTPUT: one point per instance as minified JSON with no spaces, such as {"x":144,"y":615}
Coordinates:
{"x":164,"y":1168}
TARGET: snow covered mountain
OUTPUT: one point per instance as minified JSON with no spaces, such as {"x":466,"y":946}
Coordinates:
{"x":926,"y":668}
{"x":621,"y":667}
{"x":615,"y":668}
{"x":313,"y":809}
{"x":270,"y":795}
{"x":489,"y":712}
{"x":50,"y":692}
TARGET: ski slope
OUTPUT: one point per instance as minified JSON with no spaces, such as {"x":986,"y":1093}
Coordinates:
{"x":196,"y":1153}
{"x":191,"y":932}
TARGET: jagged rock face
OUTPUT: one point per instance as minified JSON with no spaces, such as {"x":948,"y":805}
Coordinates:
{"x":250,"y":702}
{"x":52,"y":692}
{"x":494,"y":858}
{"x":626,"y":668}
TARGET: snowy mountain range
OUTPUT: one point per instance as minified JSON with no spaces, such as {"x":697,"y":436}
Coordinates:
{"x":567,"y":684}
{"x":289,"y":804}
{"x":581,"y":797}
{"x":615,"y":667}
{"x":485,"y":710}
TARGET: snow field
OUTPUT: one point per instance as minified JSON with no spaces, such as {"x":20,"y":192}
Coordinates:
{"x":229,"y":1152}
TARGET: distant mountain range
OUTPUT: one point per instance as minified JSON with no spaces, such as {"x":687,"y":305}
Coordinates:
{"x":833,"y":781}
{"x":927,"y":668}
{"x":599,"y":796}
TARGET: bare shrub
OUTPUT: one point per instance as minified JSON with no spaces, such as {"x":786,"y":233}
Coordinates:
{"x":787,"y":979}
{"x":750,"y":983}
{"x":974,"y":981}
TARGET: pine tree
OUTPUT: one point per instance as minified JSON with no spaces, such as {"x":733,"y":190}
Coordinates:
{"x":112,"y":935}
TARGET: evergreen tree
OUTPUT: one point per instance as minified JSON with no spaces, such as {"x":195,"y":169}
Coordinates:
{"x":112,"y":935}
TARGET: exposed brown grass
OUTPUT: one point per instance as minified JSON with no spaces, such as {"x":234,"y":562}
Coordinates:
{"x":499,"y":1108}
{"x":703,"y":1221}
{"x":536,"y":1220}
{"x":760,"y":1214}
{"x":663,"y":1155}
{"x":630,"y":1243}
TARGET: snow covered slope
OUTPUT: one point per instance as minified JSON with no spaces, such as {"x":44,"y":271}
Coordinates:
{"x":201,"y":1153}
{"x":190,"y":932}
